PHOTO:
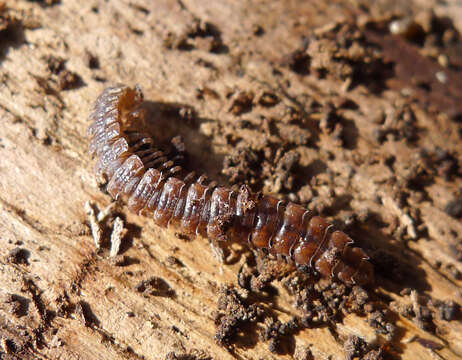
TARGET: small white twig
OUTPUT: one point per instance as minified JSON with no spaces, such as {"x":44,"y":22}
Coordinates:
{"x":106,"y":212}
{"x":116,"y":236}
{"x":94,"y":224}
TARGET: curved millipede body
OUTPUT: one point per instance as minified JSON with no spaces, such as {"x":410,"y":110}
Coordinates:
{"x":154,"y":184}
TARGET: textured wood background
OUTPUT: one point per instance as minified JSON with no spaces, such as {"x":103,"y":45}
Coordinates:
{"x":59,"y":298}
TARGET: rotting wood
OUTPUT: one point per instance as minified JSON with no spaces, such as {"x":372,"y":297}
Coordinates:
{"x":354,"y":150}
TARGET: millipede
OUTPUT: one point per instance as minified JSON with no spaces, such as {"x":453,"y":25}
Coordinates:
{"x":154,"y":184}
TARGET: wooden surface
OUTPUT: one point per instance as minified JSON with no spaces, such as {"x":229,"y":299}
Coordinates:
{"x":78,"y":305}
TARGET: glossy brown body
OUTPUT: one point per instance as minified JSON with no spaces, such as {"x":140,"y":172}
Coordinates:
{"x":154,"y":185}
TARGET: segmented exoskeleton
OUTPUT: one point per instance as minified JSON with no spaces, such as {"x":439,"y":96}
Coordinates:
{"x":154,"y":184}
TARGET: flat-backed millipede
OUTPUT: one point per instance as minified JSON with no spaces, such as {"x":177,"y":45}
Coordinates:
{"x":154,"y":184}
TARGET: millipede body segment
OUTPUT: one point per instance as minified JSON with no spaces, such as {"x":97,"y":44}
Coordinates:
{"x":155,"y":185}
